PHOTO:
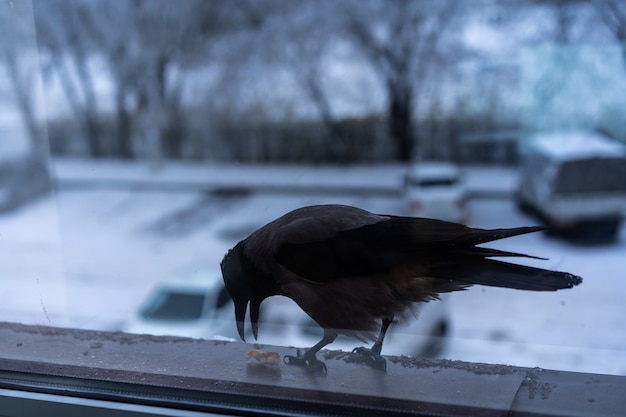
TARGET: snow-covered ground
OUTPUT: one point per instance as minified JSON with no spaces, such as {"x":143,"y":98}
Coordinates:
{"x":86,"y":257}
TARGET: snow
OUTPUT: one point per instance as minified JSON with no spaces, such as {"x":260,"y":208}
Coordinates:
{"x":566,"y":145}
{"x":113,"y":173}
{"x":86,"y":257}
{"x":195,"y":177}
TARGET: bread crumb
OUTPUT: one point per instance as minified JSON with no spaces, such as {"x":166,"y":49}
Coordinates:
{"x":268,"y":358}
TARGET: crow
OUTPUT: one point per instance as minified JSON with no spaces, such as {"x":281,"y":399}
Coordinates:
{"x":355,"y":272}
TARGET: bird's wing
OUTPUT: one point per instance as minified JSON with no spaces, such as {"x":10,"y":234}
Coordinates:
{"x":381,"y":246}
{"x":298,"y":237}
{"x":417,"y":231}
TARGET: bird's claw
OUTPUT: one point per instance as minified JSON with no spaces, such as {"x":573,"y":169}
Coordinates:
{"x":366,"y":356}
{"x":311,"y":363}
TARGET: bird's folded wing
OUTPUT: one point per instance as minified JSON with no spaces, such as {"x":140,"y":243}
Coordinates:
{"x":416,"y":231}
{"x":378,"y":248}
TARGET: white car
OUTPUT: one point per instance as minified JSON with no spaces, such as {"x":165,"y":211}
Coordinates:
{"x":195,"y":304}
{"x":436,"y":190}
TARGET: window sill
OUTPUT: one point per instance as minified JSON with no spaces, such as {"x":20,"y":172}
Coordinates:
{"x":216,"y":376}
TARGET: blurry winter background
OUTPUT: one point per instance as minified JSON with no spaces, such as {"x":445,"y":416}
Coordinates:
{"x":139,"y":138}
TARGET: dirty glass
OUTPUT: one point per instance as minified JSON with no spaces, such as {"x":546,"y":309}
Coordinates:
{"x":142,"y":139}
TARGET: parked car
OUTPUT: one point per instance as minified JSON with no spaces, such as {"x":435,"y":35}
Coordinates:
{"x":436,"y":190}
{"x":575,"y":182}
{"x":195,"y":304}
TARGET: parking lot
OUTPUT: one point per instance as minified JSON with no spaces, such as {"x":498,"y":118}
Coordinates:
{"x":87,"y":258}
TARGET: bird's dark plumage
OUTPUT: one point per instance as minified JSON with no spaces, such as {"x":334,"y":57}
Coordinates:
{"x":348,"y":269}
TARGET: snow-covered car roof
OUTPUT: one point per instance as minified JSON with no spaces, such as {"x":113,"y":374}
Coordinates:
{"x":199,"y":276}
{"x":433,"y":169}
{"x":569,"y":145}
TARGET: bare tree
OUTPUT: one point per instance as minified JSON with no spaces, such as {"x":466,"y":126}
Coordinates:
{"x":613,"y":13}
{"x":308,"y":38}
{"x":18,"y":55}
{"x":402,"y":41}
{"x":146,"y":48}
{"x":564,"y":16}
{"x":64,"y":35}
{"x":300,"y":38}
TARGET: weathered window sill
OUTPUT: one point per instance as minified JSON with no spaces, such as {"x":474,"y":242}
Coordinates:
{"x":216,"y":376}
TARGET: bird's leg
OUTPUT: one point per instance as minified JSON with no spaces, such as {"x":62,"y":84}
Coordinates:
{"x":372,"y":356}
{"x":309,"y":359}
{"x":378,"y":345}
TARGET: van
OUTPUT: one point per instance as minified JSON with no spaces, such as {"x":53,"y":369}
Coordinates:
{"x":575,"y":182}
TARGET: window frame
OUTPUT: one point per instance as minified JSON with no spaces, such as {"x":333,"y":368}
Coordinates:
{"x":86,"y":369}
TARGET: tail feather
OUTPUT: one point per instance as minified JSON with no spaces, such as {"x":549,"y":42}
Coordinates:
{"x":494,"y":273}
{"x":478,"y":236}
{"x":488,"y":252}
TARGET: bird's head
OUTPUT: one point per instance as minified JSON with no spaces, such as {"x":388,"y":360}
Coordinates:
{"x":246,"y":285}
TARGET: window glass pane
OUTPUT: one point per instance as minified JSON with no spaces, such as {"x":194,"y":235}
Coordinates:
{"x":141,"y":140}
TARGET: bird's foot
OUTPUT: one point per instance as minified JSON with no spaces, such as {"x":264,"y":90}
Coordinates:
{"x":307,"y":361}
{"x":368,"y":357}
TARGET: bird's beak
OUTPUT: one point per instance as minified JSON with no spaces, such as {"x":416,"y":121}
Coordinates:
{"x":240,"y":316}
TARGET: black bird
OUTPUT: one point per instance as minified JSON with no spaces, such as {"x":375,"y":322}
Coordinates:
{"x":354,"y":272}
